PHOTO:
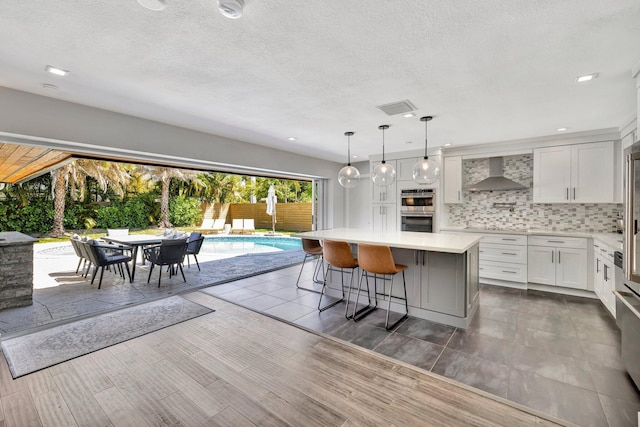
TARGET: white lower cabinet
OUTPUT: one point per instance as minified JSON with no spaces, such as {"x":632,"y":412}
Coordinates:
{"x":384,"y":217}
{"x":604,"y":275}
{"x":558,"y":261}
{"x":503,"y":258}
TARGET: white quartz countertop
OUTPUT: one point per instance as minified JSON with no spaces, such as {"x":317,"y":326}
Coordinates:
{"x":611,"y":239}
{"x":436,"y":242}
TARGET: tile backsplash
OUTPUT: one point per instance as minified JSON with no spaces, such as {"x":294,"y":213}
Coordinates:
{"x":479,"y":210}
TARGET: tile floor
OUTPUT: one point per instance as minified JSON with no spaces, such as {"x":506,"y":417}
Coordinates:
{"x":553,"y":353}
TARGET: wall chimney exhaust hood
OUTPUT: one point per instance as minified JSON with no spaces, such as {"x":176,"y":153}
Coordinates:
{"x":496,"y":182}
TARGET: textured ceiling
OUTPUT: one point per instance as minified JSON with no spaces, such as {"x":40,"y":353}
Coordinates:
{"x":487,"y":70}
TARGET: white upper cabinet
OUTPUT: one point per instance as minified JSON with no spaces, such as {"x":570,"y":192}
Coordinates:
{"x":405,"y":168}
{"x":581,"y":173}
{"x":452,"y":179}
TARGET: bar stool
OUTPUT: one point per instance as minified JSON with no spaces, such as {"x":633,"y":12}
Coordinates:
{"x":378,"y":260}
{"x":339,"y":256}
{"x":311,"y":248}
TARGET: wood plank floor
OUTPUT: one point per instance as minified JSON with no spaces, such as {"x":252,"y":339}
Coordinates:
{"x":235,"y":367}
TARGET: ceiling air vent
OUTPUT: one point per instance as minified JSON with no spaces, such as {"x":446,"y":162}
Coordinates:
{"x":397,"y":107}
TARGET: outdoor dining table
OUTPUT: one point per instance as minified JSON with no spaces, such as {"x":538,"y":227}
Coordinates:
{"x":135,"y":241}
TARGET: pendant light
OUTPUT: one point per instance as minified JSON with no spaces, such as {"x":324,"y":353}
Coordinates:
{"x":426,"y":171}
{"x":383,"y":174}
{"x":349,"y":176}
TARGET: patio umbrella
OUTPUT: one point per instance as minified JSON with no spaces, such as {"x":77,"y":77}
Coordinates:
{"x":272,"y":199}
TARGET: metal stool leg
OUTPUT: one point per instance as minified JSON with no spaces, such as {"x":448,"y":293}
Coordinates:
{"x":386,"y":323}
{"x":324,"y":286}
{"x":315,"y":273}
{"x":364,"y":311}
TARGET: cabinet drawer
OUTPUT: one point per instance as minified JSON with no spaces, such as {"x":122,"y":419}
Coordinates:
{"x":503,"y":253}
{"x":500,"y":271}
{"x":559,"y":242}
{"x":509,"y":239}
{"x":603,"y":250}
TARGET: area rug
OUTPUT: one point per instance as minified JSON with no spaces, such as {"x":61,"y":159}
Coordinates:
{"x":31,"y":352}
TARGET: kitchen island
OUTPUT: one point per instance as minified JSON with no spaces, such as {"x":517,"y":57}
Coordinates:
{"x":442,"y":273}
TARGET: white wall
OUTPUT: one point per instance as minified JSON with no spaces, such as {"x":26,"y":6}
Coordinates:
{"x":35,"y":119}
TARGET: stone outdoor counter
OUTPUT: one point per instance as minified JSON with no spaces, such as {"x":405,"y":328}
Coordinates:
{"x":16,"y":269}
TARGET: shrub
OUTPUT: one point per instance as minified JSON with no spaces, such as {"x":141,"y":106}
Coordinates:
{"x":184,"y":211}
{"x":34,"y":218}
{"x":134,"y":213}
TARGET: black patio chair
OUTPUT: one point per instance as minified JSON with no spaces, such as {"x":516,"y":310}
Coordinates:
{"x":194,"y":243}
{"x":101,"y":259}
{"x":170,"y":252}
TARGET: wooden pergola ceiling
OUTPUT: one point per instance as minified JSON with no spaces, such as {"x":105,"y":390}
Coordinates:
{"x":22,"y":162}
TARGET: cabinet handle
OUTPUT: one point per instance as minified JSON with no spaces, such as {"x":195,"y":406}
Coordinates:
{"x":597,"y":265}
{"x":606,"y":278}
{"x":552,"y":252}
{"x":458,"y":195}
{"x":574,"y":193}
{"x":508,"y":253}
{"x":507,"y":271}
{"x":558,"y":257}
{"x":424,"y":255}
{"x":567,"y":193}
{"x":509,"y":240}
{"x":556,"y":241}
{"x":603,"y":250}
{"x":415,"y":257}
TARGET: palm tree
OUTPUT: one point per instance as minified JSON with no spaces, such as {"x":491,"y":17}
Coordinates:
{"x":74,"y":175}
{"x":164,"y":175}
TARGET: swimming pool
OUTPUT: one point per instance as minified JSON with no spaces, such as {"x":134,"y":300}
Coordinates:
{"x":236,"y":245}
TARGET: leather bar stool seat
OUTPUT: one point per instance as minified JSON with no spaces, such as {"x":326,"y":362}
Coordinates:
{"x":378,"y":260}
{"x":339,"y":257}
{"x":312,"y":249}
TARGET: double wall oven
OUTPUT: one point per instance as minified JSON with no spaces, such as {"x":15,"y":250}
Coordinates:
{"x":418,"y":210}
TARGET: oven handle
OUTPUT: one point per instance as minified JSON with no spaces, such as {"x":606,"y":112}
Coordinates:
{"x":416,"y":214}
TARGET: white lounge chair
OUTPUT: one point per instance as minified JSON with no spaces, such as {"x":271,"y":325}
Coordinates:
{"x":237,"y":226}
{"x":249,"y":226}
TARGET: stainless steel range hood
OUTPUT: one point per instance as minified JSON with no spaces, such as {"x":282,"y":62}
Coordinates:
{"x":496,"y":182}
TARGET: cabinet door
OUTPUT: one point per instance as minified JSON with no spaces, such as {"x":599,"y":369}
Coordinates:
{"x":598,"y":274}
{"x":405,"y":168}
{"x":570,"y":268}
{"x":444,"y":278}
{"x":383,"y":194}
{"x":541,"y":265}
{"x":453,"y":179}
{"x":609,"y":280}
{"x":383,"y":217}
{"x":552,"y":174}
{"x":358,"y":205}
{"x":413,"y":274}
{"x":592,"y":179}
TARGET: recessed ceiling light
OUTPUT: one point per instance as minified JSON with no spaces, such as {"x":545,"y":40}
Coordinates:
{"x":562,"y":129}
{"x":49,"y":86}
{"x":448,"y":144}
{"x":409,"y":115}
{"x":586,"y":78}
{"x":57,"y":71}
{"x":291,"y":138}
{"x":153,"y":4}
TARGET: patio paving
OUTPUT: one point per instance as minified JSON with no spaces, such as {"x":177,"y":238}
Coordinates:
{"x":61,"y":294}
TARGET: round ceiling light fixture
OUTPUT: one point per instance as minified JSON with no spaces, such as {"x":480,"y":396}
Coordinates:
{"x":153,"y":4}
{"x":231,"y":8}
{"x":349,"y":176}
{"x":426,"y":171}
{"x":383,"y":174}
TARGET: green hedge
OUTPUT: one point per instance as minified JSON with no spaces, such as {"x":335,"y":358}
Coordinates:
{"x":184,"y":211}
{"x":34,"y":218}
{"x":133,"y":213}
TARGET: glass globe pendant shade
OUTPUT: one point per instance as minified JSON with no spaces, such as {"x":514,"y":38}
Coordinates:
{"x":349,"y":176}
{"x":383,"y":175}
{"x":426,"y":171}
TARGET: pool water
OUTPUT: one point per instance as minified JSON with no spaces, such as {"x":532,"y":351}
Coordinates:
{"x":236,"y":245}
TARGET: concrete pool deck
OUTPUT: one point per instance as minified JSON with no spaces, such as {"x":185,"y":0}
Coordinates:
{"x":60,"y":294}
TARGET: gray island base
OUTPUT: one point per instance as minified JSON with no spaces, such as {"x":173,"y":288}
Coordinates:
{"x":442,"y":273}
